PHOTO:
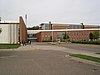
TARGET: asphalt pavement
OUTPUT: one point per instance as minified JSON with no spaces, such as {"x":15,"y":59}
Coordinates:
{"x":43,"y":59}
{"x":82,"y":47}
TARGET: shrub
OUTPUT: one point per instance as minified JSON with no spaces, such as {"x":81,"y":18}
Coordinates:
{"x":87,"y":42}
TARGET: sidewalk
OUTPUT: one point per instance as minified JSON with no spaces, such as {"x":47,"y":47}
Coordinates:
{"x":46,"y":46}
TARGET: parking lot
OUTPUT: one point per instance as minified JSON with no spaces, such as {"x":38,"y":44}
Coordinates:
{"x":43,"y":59}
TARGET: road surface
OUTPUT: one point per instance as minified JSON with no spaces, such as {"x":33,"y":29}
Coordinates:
{"x":44,"y":60}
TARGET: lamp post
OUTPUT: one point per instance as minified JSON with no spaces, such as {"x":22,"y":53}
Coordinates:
{"x":51,"y":29}
{"x":82,"y":25}
{"x":52,"y":33}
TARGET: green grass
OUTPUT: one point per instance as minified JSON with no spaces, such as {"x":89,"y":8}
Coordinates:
{"x":98,"y":53}
{"x":9,"y":46}
{"x":86,"y":57}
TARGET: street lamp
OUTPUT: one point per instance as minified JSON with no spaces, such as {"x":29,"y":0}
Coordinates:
{"x":52,"y":33}
{"x":82,"y":25}
{"x":51,"y":29}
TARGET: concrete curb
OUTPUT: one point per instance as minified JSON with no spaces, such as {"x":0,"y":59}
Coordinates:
{"x":83,"y":60}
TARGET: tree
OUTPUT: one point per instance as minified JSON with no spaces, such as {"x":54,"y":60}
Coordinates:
{"x":65,"y":36}
{"x":91,"y":36}
{"x":33,"y":28}
{"x":96,"y":35}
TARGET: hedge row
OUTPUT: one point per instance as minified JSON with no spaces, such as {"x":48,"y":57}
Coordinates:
{"x":87,"y":42}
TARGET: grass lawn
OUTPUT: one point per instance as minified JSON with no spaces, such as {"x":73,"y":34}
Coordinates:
{"x":98,"y":53}
{"x":9,"y":46}
{"x":86,"y":57}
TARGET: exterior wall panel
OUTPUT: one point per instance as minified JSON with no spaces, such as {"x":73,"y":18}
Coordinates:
{"x":4,"y":33}
{"x":9,"y":33}
{"x":73,"y":35}
{"x":23,"y":31}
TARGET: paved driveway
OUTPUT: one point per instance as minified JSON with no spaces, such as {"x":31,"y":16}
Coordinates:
{"x":42,"y":59}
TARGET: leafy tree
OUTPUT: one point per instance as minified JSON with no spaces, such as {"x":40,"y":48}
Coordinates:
{"x":36,"y":28}
{"x":96,"y":35}
{"x":98,"y":26}
{"x":29,"y":28}
{"x":33,"y":28}
{"x":65,"y":36}
{"x":91,"y":36}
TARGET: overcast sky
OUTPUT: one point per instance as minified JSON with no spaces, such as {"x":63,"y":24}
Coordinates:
{"x":56,"y":11}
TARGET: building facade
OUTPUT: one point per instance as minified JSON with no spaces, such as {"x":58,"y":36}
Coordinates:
{"x":46,"y":26}
{"x":72,"y":34}
{"x":23,"y":31}
{"x":54,"y":26}
{"x":13,"y":32}
{"x":53,"y":32}
{"x":9,"y":32}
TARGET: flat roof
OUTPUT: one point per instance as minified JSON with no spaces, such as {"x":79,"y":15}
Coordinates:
{"x":9,"y":22}
{"x":37,"y":31}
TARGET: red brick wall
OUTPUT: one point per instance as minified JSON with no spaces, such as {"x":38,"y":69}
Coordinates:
{"x":79,"y":35}
{"x":60,"y":26}
{"x":43,"y":36}
{"x":89,"y":27}
{"x":23,"y":30}
{"x":73,"y":35}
